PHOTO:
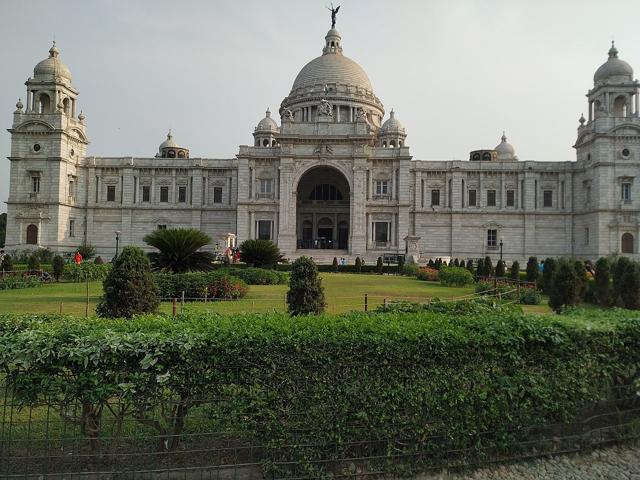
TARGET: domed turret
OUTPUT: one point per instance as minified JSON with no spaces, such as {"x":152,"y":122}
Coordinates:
{"x":505,"y":150}
{"x":614,"y":69}
{"x":52,"y":66}
{"x":266,"y":131}
{"x":170,"y":149}
{"x":392,"y":133}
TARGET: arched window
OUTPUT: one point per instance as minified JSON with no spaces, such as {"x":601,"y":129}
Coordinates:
{"x":273,"y":143}
{"x":181,"y":154}
{"x":257,"y":142}
{"x":392,"y":144}
{"x":620,"y":107}
{"x":325,"y":191}
{"x":171,"y":154}
{"x":65,"y":106}
{"x":43,"y":103}
{"x":627,"y":243}
{"x":32,"y":235}
{"x":384,"y":144}
{"x":265,"y":142}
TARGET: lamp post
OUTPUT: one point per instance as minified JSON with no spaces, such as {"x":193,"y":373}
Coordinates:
{"x":501,"y":244}
{"x":117,"y":242}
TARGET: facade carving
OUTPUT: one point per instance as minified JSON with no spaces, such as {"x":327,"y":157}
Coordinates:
{"x":334,"y":179}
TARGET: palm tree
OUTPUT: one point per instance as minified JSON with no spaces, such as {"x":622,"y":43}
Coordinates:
{"x":178,"y":250}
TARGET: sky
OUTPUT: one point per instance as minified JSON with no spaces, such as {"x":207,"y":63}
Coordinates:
{"x":456,"y":72}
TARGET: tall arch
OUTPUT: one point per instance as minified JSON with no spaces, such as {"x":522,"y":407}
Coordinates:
{"x":626,"y":243}
{"x":32,"y":235}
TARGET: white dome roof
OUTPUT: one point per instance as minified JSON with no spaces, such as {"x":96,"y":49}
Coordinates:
{"x":169,"y":143}
{"x":613,"y":68}
{"x":267,"y":123}
{"x":505,"y":149}
{"x":52,"y":66}
{"x":392,"y":124}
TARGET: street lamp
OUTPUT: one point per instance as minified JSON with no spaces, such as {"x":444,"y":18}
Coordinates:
{"x":501,"y":244}
{"x":117,"y":242}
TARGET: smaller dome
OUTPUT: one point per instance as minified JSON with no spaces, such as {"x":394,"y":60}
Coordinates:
{"x":267,"y":124}
{"x":52,"y":66}
{"x":81,"y":117}
{"x":504,"y":149}
{"x":169,"y":143}
{"x":613,"y":68}
{"x":19,"y":105}
{"x":392,"y":125}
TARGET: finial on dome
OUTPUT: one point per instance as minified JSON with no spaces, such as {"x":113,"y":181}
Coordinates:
{"x":504,"y":137}
{"x":268,"y":113}
{"x":81,"y":116}
{"x":582,"y":119}
{"x":392,"y":113}
{"x":53,"y":51}
{"x":19,"y":105}
{"x":613,"y":51}
{"x":169,"y":135}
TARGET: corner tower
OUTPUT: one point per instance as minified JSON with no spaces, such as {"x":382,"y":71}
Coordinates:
{"x":48,"y":143}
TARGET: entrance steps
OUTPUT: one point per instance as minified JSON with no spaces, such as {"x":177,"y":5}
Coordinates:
{"x":323,"y":256}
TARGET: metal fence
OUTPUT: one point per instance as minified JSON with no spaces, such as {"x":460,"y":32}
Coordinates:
{"x":53,"y":440}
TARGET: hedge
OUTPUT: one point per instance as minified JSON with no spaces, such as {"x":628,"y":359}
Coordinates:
{"x":12,"y":282}
{"x":197,"y":285}
{"x":306,"y":390}
{"x":257,"y":276}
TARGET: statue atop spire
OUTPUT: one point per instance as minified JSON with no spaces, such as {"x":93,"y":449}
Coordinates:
{"x":334,"y":12}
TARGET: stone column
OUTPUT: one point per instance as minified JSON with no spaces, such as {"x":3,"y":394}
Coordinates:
{"x":357,"y":240}
{"x":287,"y":223}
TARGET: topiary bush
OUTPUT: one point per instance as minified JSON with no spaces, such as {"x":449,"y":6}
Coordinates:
{"x":470,"y":266}
{"x":455,"y":276}
{"x":500,"y":269}
{"x":626,"y":281}
{"x":515,"y":270}
{"x":532,"y":269}
{"x":305,"y":295}
{"x":565,"y":286}
{"x":488,"y":266}
{"x":480,"y":268}
{"x":603,"y":282}
{"x":34,"y":262}
{"x":379,"y":266}
{"x":358,"y":265}
{"x":334,"y":265}
{"x":259,"y":253}
{"x":129,"y":288}
{"x":58,"y":267}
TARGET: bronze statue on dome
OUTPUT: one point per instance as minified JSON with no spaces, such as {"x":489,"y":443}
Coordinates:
{"x":334,"y":12}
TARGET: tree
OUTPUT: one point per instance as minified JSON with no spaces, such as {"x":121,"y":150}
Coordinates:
{"x":480,"y":269}
{"x":34,"y":262}
{"x":130,"y":287}
{"x":515,"y":270}
{"x":86,"y":250}
{"x":581,"y":275}
{"x":565,"y":285}
{"x":7,"y":263}
{"x":335,"y":264}
{"x":456,"y":263}
{"x":488,"y":266}
{"x":626,"y":281}
{"x":58,"y":267}
{"x":358,"y":265}
{"x":550,"y":266}
{"x":603,"y":284}
{"x":179,"y":250}
{"x":305,"y":295}
{"x":259,"y":253}
{"x":500,"y":269}
{"x":379,"y":266}
{"x":470,"y":265}
{"x":532,"y":269}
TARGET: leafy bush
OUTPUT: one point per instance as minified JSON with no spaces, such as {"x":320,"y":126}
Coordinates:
{"x":379,"y":266}
{"x":7,"y":263}
{"x":259,"y":253}
{"x":530,"y":296}
{"x":581,"y":276}
{"x":179,"y":250}
{"x":79,"y":273}
{"x":410,"y":269}
{"x":226,"y":287}
{"x":515,"y":270}
{"x":129,"y":288}
{"x":58,"y":267}
{"x":476,"y":306}
{"x":626,"y":280}
{"x":87,"y":250}
{"x":603,"y":282}
{"x":12,"y":282}
{"x":532,"y":269}
{"x":549,"y":270}
{"x":34,"y":262}
{"x":98,"y":260}
{"x":565,"y":286}
{"x":480,"y":272}
{"x":257,"y":276}
{"x":198,"y":285}
{"x":455,"y":276}
{"x":428,"y":274}
{"x":313,"y":387}
{"x":305,"y":295}
{"x":501,"y":269}
{"x":470,"y":266}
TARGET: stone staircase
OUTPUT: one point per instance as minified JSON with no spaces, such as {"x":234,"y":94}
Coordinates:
{"x":324,"y":256}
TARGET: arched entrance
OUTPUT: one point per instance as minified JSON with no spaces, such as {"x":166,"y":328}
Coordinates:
{"x":322,"y":209}
{"x":32,"y":235}
{"x":627,"y":243}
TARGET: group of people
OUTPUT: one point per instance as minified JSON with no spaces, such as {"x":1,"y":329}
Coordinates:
{"x":232,"y":254}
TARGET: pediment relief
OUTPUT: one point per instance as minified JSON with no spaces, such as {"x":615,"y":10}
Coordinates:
{"x":75,"y":133}
{"x":492,"y":226}
{"x":164,"y":181}
{"x":35,"y":126}
{"x":111,"y":181}
{"x":217,"y":183}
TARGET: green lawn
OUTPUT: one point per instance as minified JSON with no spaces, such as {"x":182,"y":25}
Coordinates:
{"x":343,"y":291}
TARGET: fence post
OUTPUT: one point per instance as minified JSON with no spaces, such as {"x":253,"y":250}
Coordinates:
{"x":518,"y":292}
{"x":86,"y":305}
{"x":385,"y":304}
{"x":366,"y":302}
{"x":206,"y":293}
{"x":495,"y":282}
{"x":174,"y":306}
{"x":182,"y":303}
{"x":60,"y":308}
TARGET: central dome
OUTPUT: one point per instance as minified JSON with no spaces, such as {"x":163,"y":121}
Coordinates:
{"x":332,"y":67}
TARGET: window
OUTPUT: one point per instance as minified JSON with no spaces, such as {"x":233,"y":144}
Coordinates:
{"x":588,"y":194}
{"x":35,"y":184}
{"x":626,"y":192}
{"x":492,"y":238}
{"x":435,"y":198}
{"x":382,"y":187}
{"x":32,"y":235}
{"x":111,"y":193}
{"x":511,"y":198}
{"x":472,"y":198}
{"x":381,"y":232}
{"x":266,"y":185}
{"x":182,"y":194}
{"x":72,"y":188}
{"x":217,"y":194}
{"x":264,"y":229}
{"x":162,"y":227}
{"x":586,"y":236}
{"x":146,"y":193}
{"x":72,"y":228}
{"x":491,"y":198}
{"x":164,"y":194}
{"x":547,"y":198}
{"x":627,"y":243}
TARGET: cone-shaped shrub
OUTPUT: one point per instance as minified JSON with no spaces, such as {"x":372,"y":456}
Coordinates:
{"x":470,"y":266}
{"x":305,"y":295}
{"x":603,"y":285}
{"x":480,"y":270}
{"x":515,"y":270}
{"x":532,"y":269}
{"x":565,"y":285}
{"x":335,"y":264}
{"x":129,"y":288}
{"x":379,"y":266}
{"x":58,"y":267}
{"x":550,"y":267}
{"x":500,"y":269}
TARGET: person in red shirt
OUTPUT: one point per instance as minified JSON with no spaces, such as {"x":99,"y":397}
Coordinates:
{"x":77,"y":258}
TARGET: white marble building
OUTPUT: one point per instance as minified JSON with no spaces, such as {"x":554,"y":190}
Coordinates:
{"x":333,"y":179}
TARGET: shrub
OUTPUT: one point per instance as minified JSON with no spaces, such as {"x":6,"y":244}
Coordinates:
{"x":335,"y":265}
{"x":98,"y":260}
{"x":305,"y":295}
{"x":549,"y":269}
{"x":259,"y":253}
{"x":129,"y":288}
{"x":456,"y":263}
{"x":410,"y":269}
{"x":12,"y":282}
{"x":581,"y":276}
{"x":34,"y":262}
{"x":226,"y":287}
{"x":565,"y":286}
{"x":488,"y":266}
{"x":257,"y":276}
{"x":379,"y":266}
{"x":626,"y":282}
{"x":428,"y":274}
{"x":358,"y":265}
{"x":58,"y":267}
{"x":484,"y":288}
{"x":455,"y":276}
{"x":7,"y":263}
{"x":400,"y":264}
{"x":500,"y":269}
{"x":87,"y":250}
{"x":532,"y":269}
{"x":198,"y":285}
{"x":79,"y":273}
{"x":470,"y":266}
{"x":602,"y":282}
{"x":179,"y":250}
{"x":480,"y":268}
{"x":500,"y":291}
{"x":530,"y":296}
{"x":515,"y":270}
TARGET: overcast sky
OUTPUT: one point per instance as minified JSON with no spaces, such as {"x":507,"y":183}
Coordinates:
{"x":457,"y":72}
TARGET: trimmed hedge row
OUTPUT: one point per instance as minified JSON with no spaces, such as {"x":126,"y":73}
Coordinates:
{"x":12,"y":282}
{"x":417,"y":383}
{"x":256,"y":276}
